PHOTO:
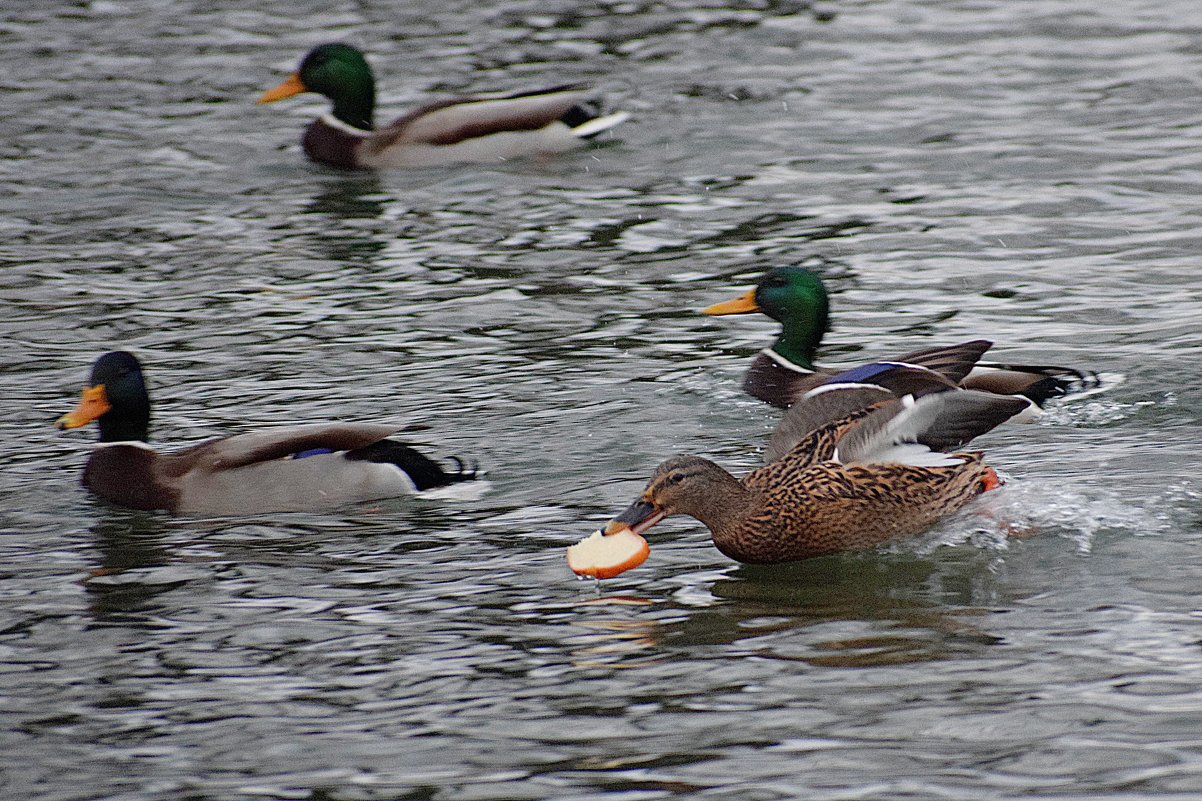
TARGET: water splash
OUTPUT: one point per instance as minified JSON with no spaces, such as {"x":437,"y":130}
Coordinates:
{"x":1022,"y":510}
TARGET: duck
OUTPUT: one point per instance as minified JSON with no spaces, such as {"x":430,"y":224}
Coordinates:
{"x":474,"y":128}
{"x":797,"y":299}
{"x":853,"y":466}
{"x":287,"y":468}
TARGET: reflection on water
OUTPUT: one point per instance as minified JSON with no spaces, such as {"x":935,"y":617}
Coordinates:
{"x":615,"y":642}
{"x":845,"y":611}
{"x":353,"y":197}
{"x":853,"y":611}
{"x":344,"y":201}
{"x":131,"y":546}
{"x":863,"y":612}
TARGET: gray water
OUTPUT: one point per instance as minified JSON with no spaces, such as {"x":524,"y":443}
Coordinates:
{"x":1028,"y":172}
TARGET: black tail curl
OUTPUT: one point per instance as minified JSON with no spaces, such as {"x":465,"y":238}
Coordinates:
{"x":424,"y":472}
{"x":462,"y":471}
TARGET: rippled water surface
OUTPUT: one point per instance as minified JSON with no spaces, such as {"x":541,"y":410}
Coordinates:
{"x":1023,"y":171}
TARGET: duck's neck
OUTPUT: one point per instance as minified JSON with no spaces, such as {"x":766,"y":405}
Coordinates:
{"x":723,"y":507}
{"x":801,"y":333}
{"x":356,"y":107}
{"x":799,"y":340}
{"x":124,"y":429}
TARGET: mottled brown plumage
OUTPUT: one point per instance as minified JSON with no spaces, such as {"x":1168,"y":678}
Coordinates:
{"x":815,"y":500}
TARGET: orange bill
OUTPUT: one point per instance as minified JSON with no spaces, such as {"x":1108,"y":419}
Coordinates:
{"x":93,"y":404}
{"x":605,"y":555}
{"x":292,"y":85}
{"x":743,"y":304}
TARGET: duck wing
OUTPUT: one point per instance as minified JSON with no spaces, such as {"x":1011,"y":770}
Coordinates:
{"x":918,"y":431}
{"x":900,"y":378}
{"x":953,"y":361}
{"x":810,"y":430}
{"x":818,"y":410}
{"x":459,"y":119}
{"x":846,"y":396}
{"x":241,"y":450}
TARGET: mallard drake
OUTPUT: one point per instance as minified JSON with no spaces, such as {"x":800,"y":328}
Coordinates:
{"x":859,"y":466}
{"x":478,"y":128}
{"x":797,"y":299}
{"x":290,"y":468}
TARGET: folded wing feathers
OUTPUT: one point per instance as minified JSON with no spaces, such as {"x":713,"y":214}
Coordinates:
{"x":897,"y":377}
{"x":953,"y":361}
{"x":941,"y":422}
{"x":474,"y":117}
{"x":262,"y":446}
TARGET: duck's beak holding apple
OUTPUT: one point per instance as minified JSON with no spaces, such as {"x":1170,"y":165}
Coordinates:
{"x":619,"y":547}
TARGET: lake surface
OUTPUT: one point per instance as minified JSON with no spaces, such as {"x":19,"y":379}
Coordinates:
{"x":1028,"y":172}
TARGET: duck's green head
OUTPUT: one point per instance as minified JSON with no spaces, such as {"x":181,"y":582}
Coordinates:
{"x":116,"y":398}
{"x":341,"y":73}
{"x":794,"y":297}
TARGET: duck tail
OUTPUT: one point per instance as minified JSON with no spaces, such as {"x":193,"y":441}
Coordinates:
{"x":463,"y":471}
{"x":424,"y":472}
{"x":1038,"y":382}
{"x":587,"y":120}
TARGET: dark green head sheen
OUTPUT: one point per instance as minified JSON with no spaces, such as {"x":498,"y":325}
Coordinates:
{"x":125,"y":389}
{"x":796,"y":298}
{"x":341,"y":73}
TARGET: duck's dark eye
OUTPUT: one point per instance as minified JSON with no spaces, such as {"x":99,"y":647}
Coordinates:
{"x":775,"y":282}
{"x":674,"y":478}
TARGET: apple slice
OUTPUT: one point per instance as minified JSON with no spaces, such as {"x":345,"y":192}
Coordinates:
{"x":603,"y":555}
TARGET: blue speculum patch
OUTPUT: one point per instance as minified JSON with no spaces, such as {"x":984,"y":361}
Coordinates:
{"x":311,"y":452}
{"x":862,"y":374}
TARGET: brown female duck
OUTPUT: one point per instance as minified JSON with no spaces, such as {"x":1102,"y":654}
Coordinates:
{"x":479,"y":128}
{"x":858,"y":467}
{"x":290,"y":468}
{"x":797,"y":299}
